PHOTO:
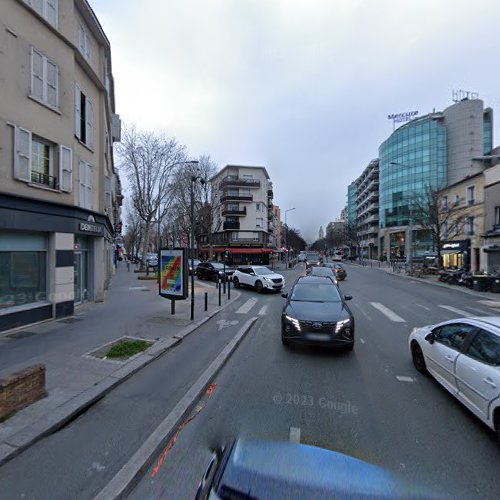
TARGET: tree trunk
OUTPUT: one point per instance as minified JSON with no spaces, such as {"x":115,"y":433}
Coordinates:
{"x":145,"y":246}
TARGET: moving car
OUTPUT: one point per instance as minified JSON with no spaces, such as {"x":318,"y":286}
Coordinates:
{"x":463,"y":355}
{"x":338,"y":269}
{"x":196,"y":262}
{"x":285,"y":470}
{"x":302,"y":257}
{"x":259,"y":277}
{"x":316,"y":313}
{"x":313,"y":259}
{"x":213,"y":271}
{"x":322,"y":271}
{"x":338,"y":256}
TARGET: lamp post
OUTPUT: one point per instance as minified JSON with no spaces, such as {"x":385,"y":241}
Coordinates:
{"x":410,"y":225}
{"x":286,"y":235}
{"x":194,"y":178}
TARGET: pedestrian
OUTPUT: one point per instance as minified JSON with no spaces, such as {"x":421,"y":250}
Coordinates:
{"x":127,"y":260}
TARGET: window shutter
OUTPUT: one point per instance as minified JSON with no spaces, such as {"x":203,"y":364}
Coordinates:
{"x":78,"y":111}
{"x":51,"y":13}
{"x":107,"y":192}
{"x":83,"y":175}
{"x":89,"y":122}
{"x":52,"y":84}
{"x":65,"y":169}
{"x":89,"y":199}
{"x":22,"y":154}
{"x":82,"y":41}
{"x":36,"y":74}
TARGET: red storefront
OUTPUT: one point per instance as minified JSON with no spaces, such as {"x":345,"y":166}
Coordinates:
{"x":239,"y":255}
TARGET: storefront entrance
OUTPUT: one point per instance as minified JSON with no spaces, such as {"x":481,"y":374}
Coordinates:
{"x":82,"y":270}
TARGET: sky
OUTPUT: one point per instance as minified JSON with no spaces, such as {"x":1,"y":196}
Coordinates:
{"x":302,"y":87}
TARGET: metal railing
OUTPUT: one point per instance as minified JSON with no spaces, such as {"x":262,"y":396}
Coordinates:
{"x":44,"y":179}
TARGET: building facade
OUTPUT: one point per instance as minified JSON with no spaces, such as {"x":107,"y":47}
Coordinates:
{"x":491,"y":248}
{"x":60,"y":195}
{"x":278,"y":243}
{"x":429,"y":152}
{"x":243,"y":223}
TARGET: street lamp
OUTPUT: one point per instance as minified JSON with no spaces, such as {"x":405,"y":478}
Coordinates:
{"x":410,"y":225}
{"x":286,"y":235}
{"x":194,"y":178}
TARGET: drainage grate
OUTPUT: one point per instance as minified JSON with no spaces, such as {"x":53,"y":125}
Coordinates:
{"x":20,"y":335}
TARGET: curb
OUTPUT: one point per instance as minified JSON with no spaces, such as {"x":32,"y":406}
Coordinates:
{"x":71,"y":409}
{"x":127,"y":477}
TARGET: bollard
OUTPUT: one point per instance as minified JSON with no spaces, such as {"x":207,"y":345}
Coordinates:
{"x":206,"y":301}
{"x":220,"y":295}
{"x":224,"y":283}
{"x":229,"y":290}
{"x":172,"y":306}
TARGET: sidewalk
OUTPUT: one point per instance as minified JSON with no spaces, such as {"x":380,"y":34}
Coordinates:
{"x":74,"y":378}
{"x":430,"y":279}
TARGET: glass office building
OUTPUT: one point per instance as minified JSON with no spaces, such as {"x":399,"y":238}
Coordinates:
{"x":351,"y":203}
{"x":411,"y":159}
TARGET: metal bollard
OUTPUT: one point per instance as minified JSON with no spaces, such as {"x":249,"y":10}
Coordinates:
{"x":229,"y":290}
{"x":172,"y":306}
{"x":220,"y":295}
{"x":224,"y":283}
{"x":206,"y":301}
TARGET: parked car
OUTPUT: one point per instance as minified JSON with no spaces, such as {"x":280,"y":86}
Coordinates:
{"x":259,"y":277}
{"x":196,"y":262}
{"x":316,"y":313}
{"x":326,"y":272}
{"x":463,"y":355}
{"x":152,"y":259}
{"x":213,"y":271}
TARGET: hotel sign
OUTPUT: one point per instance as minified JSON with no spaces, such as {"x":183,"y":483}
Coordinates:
{"x":403,"y":117}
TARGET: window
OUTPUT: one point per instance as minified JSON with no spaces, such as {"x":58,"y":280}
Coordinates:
{"x":485,"y":348}
{"x":84,"y":117}
{"x":35,"y":161}
{"x":259,"y":222}
{"x":457,"y":199}
{"x":84,"y":43}
{"x":44,"y":79}
{"x":470,"y":195}
{"x":457,"y":229}
{"x":257,"y":207}
{"x":470,"y":226}
{"x":445,"y":202}
{"x":46,"y":8}
{"x":446,"y":230}
{"x":85,"y":185}
{"x":107,"y":192}
{"x":497,"y":216}
{"x":453,"y":335}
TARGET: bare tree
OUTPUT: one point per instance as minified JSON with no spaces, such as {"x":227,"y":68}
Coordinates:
{"x":133,"y":232}
{"x":149,"y":160}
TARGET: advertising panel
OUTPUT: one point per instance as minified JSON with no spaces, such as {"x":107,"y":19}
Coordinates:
{"x":174,"y":273}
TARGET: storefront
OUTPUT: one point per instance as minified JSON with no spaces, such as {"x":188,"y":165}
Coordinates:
{"x":492,"y":251}
{"x":397,"y":245}
{"x":240,"y":255}
{"x":456,"y":254}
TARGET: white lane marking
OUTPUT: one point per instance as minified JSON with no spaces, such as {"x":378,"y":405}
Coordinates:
{"x":460,"y":312}
{"x":402,"y":378}
{"x":138,"y":288}
{"x":263,"y":310}
{"x":362,"y":340}
{"x":477,"y":310}
{"x":423,"y":307}
{"x":226,"y":323}
{"x":247,"y":306}
{"x":295,"y":434}
{"x":490,"y":303}
{"x":390,"y":314}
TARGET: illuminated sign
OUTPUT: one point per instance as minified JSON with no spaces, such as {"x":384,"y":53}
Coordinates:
{"x":403,"y":117}
{"x":174,"y":273}
{"x":86,"y":227}
{"x":451,"y":245}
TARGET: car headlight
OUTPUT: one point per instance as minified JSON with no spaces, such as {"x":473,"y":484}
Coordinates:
{"x":341,"y":324}
{"x":269,"y":280}
{"x":294,"y":321}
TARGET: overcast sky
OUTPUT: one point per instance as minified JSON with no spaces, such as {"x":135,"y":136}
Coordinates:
{"x":300,"y":87}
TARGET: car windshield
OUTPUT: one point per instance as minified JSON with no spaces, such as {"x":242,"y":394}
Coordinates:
{"x":321,"y":271}
{"x":262,"y":271}
{"x":315,"y":292}
{"x":218,"y":265}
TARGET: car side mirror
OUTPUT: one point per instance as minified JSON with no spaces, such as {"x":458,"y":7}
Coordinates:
{"x":347,"y":297}
{"x":430,"y":337}
{"x":284,"y":295}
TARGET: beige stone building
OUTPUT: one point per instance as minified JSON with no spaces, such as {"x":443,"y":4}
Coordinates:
{"x":59,"y":192}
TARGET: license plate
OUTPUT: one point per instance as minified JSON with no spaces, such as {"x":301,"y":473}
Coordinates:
{"x":318,"y":336}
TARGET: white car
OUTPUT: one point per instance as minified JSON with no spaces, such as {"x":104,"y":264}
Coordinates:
{"x":259,"y":277}
{"x":463,"y":355}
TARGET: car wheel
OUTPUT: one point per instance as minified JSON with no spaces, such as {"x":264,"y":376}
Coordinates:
{"x":285,"y":342}
{"x":418,"y":358}
{"x":350,"y":347}
{"x":496,"y":421}
{"x":236,"y":282}
{"x":259,"y":286}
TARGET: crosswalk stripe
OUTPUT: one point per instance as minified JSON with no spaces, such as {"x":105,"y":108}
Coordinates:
{"x":387,"y":312}
{"x":461,"y":312}
{"x":247,"y":306}
{"x":263,"y":310}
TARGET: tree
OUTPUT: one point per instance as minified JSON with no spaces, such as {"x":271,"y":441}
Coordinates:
{"x":133,"y":233}
{"x":149,"y":160}
{"x":351,"y":235}
{"x":293,"y":238}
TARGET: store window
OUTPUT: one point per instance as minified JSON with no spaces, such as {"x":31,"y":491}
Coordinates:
{"x":23,"y":269}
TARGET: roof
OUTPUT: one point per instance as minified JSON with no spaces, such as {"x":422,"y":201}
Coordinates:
{"x":461,"y":180}
{"x":227,"y":167}
{"x":488,"y":320}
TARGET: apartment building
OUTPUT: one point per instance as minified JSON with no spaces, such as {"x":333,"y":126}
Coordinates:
{"x":277,"y":240}
{"x":60,"y":195}
{"x":491,"y":248}
{"x":243,"y":222}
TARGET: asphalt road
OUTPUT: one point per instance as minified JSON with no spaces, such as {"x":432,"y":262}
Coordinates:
{"x":370,"y":403}
{"x":349,"y":402}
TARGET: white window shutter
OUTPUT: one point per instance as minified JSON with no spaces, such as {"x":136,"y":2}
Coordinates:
{"x":22,"y":154}
{"x":37,"y":81}
{"x":51,"y":13}
{"x":82,"y":41}
{"x":52,"y":84}
{"x":83,"y":175}
{"x":89,"y":122}
{"x":65,"y":169}
{"x":89,"y":199}
{"x":78,"y":111}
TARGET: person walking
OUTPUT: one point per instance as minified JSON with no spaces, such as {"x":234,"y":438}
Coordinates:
{"x":127,"y":260}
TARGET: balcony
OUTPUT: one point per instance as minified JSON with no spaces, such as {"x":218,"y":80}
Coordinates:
{"x":270,"y":192}
{"x":231,"y":225}
{"x":236,"y":212}
{"x":44,"y":180}
{"x":230,"y":181}
{"x":495,"y":229}
{"x":236,"y":197}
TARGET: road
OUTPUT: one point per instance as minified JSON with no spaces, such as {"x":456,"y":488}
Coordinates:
{"x":370,"y":403}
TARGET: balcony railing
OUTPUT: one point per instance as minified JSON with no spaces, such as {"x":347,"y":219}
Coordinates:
{"x":495,"y":228}
{"x":43,"y":179}
{"x":237,"y":212}
{"x":238,"y":181}
{"x":231,"y":225}
{"x":236,"y":197}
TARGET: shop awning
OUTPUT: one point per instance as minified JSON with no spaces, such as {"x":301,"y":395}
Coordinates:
{"x":492,"y":249}
{"x":450,"y":252}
